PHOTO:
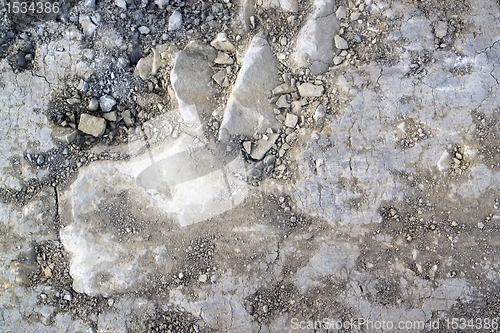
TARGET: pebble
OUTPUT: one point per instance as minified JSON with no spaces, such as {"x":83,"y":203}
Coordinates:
{"x":282,"y":102}
{"x":87,"y":26}
{"x":310,"y":90}
{"x":40,"y":160}
{"x":291,"y":120}
{"x":320,"y":113}
{"x":161,"y":3}
{"x":93,"y":104}
{"x":223,"y":59}
{"x":203,"y":278}
{"x":337,"y":60}
{"x":64,"y":134}
{"x":284,"y":88}
{"x":144,"y":30}
{"x":121,"y":3}
{"x":219,"y":77}
{"x":340,"y":43}
{"x":221,"y":43}
{"x":107,"y":102}
{"x":175,"y":21}
{"x":89,"y":3}
{"x":341,"y":13}
{"x":94,"y":126}
{"x":247,"y":145}
{"x":213,"y":278}
{"x":296,"y":107}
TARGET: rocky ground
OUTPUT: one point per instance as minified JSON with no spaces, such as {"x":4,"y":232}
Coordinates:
{"x":250,"y":166}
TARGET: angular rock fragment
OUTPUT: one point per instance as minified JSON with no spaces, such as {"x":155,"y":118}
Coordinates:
{"x":291,"y":120}
{"x":64,"y":134}
{"x":94,"y":126}
{"x":175,"y":21}
{"x":315,"y":47}
{"x":340,"y":43}
{"x":107,"y":102}
{"x":263,"y":145}
{"x":220,"y":76}
{"x":223,"y":59}
{"x":87,"y":26}
{"x":248,"y":108}
{"x":310,"y":90}
{"x":221,"y":43}
{"x":161,"y":3}
{"x":284,"y":88}
{"x":282,"y":102}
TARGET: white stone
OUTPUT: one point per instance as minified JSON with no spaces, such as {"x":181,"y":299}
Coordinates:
{"x":262,"y":146}
{"x":291,"y":120}
{"x":310,"y":90}
{"x":340,"y":43}
{"x":144,"y":30}
{"x":441,"y":29}
{"x":87,"y":26}
{"x":107,"y":102}
{"x":161,"y":3}
{"x":315,"y":46}
{"x":175,"y":21}
{"x":121,"y":3}
{"x":248,"y":109}
{"x":222,"y":43}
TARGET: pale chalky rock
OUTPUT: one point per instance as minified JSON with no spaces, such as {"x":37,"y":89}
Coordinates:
{"x":310,"y":90}
{"x":175,"y":21}
{"x":222,"y":43}
{"x":315,"y":47}
{"x":340,"y":43}
{"x":248,"y":108}
{"x":94,"y":126}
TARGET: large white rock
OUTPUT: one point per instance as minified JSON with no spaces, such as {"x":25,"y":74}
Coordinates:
{"x":248,"y":108}
{"x":315,"y":45}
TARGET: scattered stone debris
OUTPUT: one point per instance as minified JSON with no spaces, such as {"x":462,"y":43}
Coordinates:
{"x":230,"y":166}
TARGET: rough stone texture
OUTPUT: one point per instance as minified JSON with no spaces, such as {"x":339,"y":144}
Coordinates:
{"x":248,"y":109}
{"x":315,"y":48}
{"x":310,"y":90}
{"x":191,"y":78}
{"x":184,"y":183}
{"x":94,"y":126}
{"x":26,"y":94}
{"x":383,"y":204}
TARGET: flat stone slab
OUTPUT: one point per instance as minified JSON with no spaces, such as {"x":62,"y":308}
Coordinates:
{"x":315,"y":45}
{"x":248,"y":109}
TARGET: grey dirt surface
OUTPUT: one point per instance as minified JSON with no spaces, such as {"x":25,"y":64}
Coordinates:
{"x":250,"y":166}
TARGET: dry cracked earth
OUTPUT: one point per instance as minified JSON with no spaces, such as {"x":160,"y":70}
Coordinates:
{"x":250,"y":166}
